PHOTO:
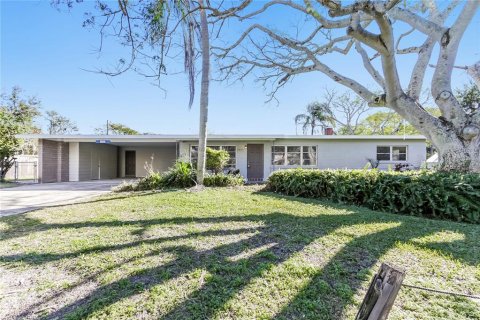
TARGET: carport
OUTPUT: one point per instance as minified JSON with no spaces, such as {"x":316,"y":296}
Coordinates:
{"x":83,"y":158}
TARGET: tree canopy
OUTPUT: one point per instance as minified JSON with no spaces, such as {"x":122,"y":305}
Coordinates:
{"x":58,"y":124}
{"x":116,"y":129}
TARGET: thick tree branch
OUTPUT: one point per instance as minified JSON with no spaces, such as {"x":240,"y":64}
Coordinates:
{"x":370,"y":39}
{"x":441,"y":81}
{"x":425,"y":51}
{"x":421,"y":24}
{"x":336,"y":9}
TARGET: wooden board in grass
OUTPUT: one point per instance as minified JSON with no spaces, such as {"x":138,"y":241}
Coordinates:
{"x":381,"y":294}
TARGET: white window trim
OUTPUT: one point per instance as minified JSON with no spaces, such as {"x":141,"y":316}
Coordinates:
{"x":285,"y":163}
{"x":213,"y":145}
{"x":391,"y":153}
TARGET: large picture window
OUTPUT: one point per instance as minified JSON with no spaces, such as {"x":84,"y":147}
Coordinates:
{"x":232,"y":151}
{"x":392,"y":153}
{"x":294,"y":155}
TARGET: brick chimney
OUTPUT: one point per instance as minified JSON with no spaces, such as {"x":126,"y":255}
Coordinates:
{"x":329,"y":131}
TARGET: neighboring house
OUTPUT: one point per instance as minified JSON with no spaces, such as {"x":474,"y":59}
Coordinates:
{"x":86,"y":157}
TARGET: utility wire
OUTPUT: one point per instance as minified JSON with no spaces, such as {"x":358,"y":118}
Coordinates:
{"x":441,"y":291}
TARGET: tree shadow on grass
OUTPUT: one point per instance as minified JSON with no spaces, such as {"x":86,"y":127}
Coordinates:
{"x":281,"y":235}
{"x":21,"y":224}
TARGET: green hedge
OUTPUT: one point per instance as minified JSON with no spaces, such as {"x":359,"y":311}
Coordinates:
{"x":454,"y":196}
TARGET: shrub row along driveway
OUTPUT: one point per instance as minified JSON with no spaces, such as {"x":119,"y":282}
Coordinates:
{"x":227,"y":254}
{"x":25,"y":198}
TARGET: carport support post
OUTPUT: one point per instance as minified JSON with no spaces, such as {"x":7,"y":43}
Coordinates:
{"x":381,"y":294}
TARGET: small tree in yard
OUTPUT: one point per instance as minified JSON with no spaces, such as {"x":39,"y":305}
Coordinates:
{"x":217,"y":159}
{"x":9,"y":144}
{"x":378,"y":32}
{"x":16,"y":117}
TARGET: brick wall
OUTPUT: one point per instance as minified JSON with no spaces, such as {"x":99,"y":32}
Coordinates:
{"x":53,"y":161}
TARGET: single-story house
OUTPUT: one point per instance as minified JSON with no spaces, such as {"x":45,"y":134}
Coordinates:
{"x":86,"y":157}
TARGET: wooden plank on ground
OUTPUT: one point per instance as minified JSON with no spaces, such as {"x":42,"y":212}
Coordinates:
{"x":381,"y":294}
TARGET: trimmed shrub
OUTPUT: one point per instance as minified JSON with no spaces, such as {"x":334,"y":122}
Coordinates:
{"x":454,"y":196}
{"x":223,"y":180}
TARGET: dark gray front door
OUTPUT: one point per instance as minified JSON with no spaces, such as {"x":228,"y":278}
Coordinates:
{"x":255,"y":162}
{"x":130,"y":163}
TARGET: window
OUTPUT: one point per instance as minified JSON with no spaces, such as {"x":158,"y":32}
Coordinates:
{"x":294,"y":155}
{"x":309,"y":156}
{"x":399,"y":153}
{"x":278,"y":156}
{"x":383,"y":153}
{"x":232,"y":151}
{"x":392,"y":153}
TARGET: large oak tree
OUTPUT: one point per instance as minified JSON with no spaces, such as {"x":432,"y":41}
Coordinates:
{"x":376,"y":32}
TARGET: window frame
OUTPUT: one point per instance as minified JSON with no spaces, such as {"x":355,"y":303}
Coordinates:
{"x":391,"y":153}
{"x":220,"y":148}
{"x":285,"y":158}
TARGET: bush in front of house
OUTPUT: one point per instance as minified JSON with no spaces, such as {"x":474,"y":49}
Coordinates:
{"x":223,"y":180}
{"x":454,"y":196}
{"x":180,"y":175}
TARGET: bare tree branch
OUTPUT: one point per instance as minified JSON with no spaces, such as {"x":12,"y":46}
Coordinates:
{"x":425,"y":52}
{"x":368,"y":65}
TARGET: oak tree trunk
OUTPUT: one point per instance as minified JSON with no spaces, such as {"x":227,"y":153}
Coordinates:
{"x":458,"y":148}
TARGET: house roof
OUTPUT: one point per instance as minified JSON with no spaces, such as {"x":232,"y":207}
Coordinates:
{"x":211,"y":137}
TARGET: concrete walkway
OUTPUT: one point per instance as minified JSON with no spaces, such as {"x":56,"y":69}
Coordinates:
{"x":34,"y":196}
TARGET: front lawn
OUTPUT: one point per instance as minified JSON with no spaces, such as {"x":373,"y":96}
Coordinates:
{"x":228,"y":254}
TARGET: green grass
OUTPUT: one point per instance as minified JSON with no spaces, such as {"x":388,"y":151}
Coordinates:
{"x":7,"y":184}
{"x":228,"y":254}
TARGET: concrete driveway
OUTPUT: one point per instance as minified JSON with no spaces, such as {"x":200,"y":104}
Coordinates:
{"x":34,"y":196}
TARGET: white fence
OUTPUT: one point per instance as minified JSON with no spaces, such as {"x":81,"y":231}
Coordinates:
{"x":24,"y":168}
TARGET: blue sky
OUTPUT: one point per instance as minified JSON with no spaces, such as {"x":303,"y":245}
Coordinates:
{"x":45,"y":52}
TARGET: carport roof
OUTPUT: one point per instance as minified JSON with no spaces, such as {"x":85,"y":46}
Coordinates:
{"x":212,"y":137}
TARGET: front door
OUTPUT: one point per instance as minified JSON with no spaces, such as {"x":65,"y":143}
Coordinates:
{"x":255,"y":162}
{"x":130,"y":163}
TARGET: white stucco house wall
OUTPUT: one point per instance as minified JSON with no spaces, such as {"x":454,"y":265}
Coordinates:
{"x":86,"y":157}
